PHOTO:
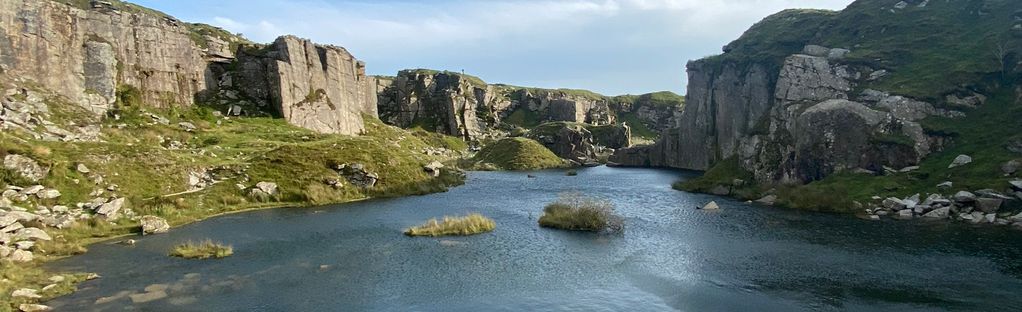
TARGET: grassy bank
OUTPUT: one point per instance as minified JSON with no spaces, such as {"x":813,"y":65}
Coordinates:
{"x":147,"y":159}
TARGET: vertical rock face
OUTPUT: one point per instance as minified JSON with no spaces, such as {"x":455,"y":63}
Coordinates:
{"x":460,"y":105}
{"x":85,"y":53}
{"x":791,"y":124}
{"x":321,"y":88}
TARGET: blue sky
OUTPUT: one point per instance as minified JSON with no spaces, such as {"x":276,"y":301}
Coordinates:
{"x":609,"y":46}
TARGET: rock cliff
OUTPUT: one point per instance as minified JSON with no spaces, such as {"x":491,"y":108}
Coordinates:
{"x":465,"y":106}
{"x":317,"y":87}
{"x":789,"y":109}
{"x":101,"y":53}
{"x":85,"y":52}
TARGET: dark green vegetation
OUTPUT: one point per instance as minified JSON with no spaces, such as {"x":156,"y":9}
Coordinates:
{"x":454,"y":226}
{"x":984,"y":134}
{"x":517,"y":154}
{"x":929,"y":52}
{"x":206,"y":249}
{"x":576,"y":212}
{"x":728,"y":174}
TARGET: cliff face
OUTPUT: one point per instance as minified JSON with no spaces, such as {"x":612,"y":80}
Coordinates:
{"x":322,"y":88}
{"x":85,"y":53}
{"x":465,"y":106}
{"x":94,"y":54}
{"x":794,"y":124}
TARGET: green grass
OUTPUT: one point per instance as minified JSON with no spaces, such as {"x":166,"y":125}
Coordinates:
{"x":525,"y":118}
{"x":202,"y":250}
{"x":724,"y":174}
{"x":134,"y":158}
{"x":928,"y":51}
{"x":639,"y":128}
{"x":576,"y":212}
{"x":454,"y":226}
{"x":518,"y":154}
{"x":983,"y":135}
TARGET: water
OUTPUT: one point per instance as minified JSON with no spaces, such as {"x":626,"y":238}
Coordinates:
{"x":353,"y":257}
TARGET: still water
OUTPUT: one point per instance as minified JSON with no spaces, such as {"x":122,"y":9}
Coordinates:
{"x":672,"y":257}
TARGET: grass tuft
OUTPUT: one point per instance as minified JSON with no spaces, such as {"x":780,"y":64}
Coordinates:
{"x":202,"y":250}
{"x":576,"y":212}
{"x":454,"y":226}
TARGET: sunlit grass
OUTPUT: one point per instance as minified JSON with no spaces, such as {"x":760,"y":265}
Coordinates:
{"x":202,"y":250}
{"x":577,"y":212}
{"x":454,"y":226}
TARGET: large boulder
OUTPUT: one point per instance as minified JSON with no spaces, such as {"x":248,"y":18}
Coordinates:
{"x":433,"y":168}
{"x":153,"y":225}
{"x":939,"y":213}
{"x":269,"y":188}
{"x":31,"y":234}
{"x":567,"y":140}
{"x":26,"y":167}
{"x":989,"y":205}
{"x":111,"y":210}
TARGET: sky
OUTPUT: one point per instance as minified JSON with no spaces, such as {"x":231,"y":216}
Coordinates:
{"x":609,"y":46}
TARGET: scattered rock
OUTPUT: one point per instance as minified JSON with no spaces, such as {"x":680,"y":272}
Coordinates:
{"x":1016,"y":184}
{"x":32,"y":234}
{"x":32,"y":190}
{"x":893,"y":203}
{"x":939,"y":213}
{"x":768,"y":200}
{"x":48,"y":194}
{"x":26,"y":167}
{"x":81,"y":168}
{"x":989,"y":205}
{"x":148,"y":297}
{"x":1011,"y":167}
{"x":187,"y":126}
{"x":946,"y":185}
{"x":154,"y":225}
{"x":905,"y":214}
{"x":965,"y":197}
{"x":111,"y":210}
{"x":433,"y":168}
{"x":269,"y":188}
{"x":32,"y":307}
{"x":26,"y":293}
{"x":988,"y":193}
{"x":21,"y":256}
{"x":711,"y":206}
{"x":961,"y":160}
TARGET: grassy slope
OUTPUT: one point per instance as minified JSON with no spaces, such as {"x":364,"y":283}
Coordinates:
{"x":929,"y":52}
{"x":271,"y":150}
{"x":518,"y":154}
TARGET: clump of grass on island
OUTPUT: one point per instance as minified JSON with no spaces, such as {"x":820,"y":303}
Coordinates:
{"x":202,"y":250}
{"x":577,"y":212}
{"x":454,"y":226}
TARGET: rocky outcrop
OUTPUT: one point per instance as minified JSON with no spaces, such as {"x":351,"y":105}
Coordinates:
{"x":465,"y":106}
{"x":567,"y":140}
{"x":317,"y":87}
{"x":792,"y":124}
{"x":88,"y":53}
{"x":656,"y":111}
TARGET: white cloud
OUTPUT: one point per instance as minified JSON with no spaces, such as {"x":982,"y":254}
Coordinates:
{"x":581,"y":43}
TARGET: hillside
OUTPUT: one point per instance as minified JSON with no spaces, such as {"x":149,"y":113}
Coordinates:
{"x":873,"y":100}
